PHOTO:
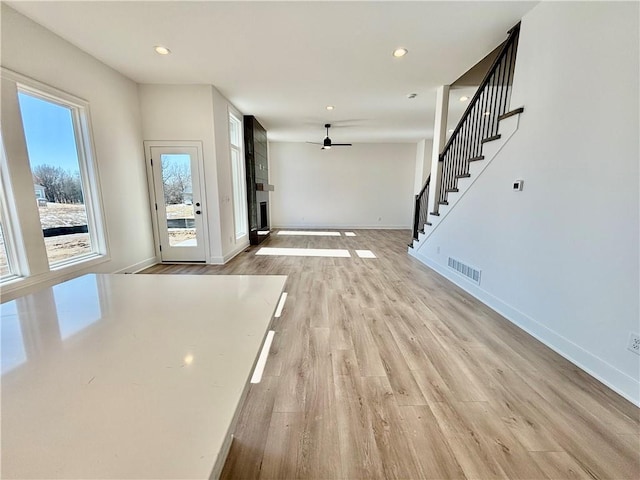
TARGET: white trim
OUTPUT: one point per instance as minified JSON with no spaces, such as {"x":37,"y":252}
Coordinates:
{"x":197,"y":144}
{"x":138,"y":267}
{"x":236,"y":251}
{"x":13,"y":240}
{"x":243,"y":214}
{"x":24,"y":220}
{"x":40,"y":88}
{"x":618,"y":381}
{"x":85,"y":148}
{"x":26,"y":285}
{"x":216,"y":261}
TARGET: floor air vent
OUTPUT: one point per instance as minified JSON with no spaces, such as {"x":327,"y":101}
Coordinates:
{"x":469,"y":272}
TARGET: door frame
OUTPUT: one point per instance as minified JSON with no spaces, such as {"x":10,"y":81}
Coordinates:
{"x":148,"y":144}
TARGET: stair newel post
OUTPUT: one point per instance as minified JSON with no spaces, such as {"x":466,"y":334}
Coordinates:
{"x":439,"y":141}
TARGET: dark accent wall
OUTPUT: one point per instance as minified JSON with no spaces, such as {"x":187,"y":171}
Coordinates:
{"x":257,"y":168}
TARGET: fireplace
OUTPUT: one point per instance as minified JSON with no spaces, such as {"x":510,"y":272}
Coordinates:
{"x":264,"y":222}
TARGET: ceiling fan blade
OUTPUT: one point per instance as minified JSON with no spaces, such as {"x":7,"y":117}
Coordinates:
{"x":315,"y":143}
{"x":341,"y":145}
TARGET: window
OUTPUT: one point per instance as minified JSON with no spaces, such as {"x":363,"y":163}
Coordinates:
{"x":50,"y":215}
{"x":238,"y":176}
{"x":53,"y":136}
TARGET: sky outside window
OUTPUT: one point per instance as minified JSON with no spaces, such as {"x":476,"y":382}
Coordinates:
{"x":48,"y":129}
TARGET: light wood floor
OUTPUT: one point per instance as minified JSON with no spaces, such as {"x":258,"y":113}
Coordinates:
{"x":380,"y":368}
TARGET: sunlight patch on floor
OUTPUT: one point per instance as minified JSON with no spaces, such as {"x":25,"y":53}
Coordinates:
{"x":304,"y":252}
{"x":310,"y":234}
{"x":365,"y":254}
{"x":262,"y":359}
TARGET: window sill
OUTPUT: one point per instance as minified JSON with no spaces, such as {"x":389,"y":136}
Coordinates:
{"x":18,"y":286}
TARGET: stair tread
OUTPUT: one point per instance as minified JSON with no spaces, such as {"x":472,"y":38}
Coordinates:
{"x":435,"y":213}
{"x":490,"y":139}
{"x":511,"y":113}
{"x":475,"y":159}
{"x":464,"y":175}
{"x":454,"y":190}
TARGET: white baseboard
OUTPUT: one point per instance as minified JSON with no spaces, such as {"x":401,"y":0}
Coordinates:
{"x":224,"y":259}
{"x":315,"y":226}
{"x":618,"y":381}
{"x":238,"y":250}
{"x":138,"y":267}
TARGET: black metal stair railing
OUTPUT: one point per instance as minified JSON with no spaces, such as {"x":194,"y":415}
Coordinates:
{"x":420,"y":212}
{"x":479,"y":123}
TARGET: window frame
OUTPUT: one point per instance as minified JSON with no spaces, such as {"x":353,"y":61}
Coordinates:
{"x":12,"y":240}
{"x":241,"y":185}
{"x":33,"y":267}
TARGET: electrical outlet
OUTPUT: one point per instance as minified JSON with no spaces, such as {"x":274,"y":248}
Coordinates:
{"x":634,"y":343}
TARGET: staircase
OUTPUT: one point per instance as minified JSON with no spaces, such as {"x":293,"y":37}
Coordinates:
{"x":484,"y":128}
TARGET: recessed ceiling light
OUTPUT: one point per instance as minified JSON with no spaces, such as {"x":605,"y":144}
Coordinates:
{"x":486,"y":114}
{"x":400,"y":52}
{"x":451,"y":130}
{"x":330,"y":107}
{"x":160,"y":50}
{"x":464,"y":98}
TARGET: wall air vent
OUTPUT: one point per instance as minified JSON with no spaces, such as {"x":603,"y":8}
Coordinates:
{"x":469,"y":272}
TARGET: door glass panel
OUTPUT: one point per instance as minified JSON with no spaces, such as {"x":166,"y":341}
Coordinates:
{"x":178,"y":199}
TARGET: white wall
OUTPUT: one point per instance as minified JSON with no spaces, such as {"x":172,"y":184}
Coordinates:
{"x":561,"y":258}
{"x":31,"y":50}
{"x":364,"y":186}
{"x":200,"y":113}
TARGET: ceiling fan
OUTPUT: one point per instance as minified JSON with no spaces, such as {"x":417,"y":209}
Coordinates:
{"x":327,"y":143}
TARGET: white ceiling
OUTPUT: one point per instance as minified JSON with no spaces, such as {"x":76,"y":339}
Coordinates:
{"x":285,"y":61}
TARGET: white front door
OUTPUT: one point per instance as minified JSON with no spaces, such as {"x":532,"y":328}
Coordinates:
{"x":179,"y":203}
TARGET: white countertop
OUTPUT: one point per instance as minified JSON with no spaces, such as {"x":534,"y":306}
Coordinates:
{"x":128,"y":376}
